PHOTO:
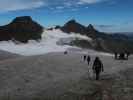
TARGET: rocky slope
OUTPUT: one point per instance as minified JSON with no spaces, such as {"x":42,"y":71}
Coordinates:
{"x":21,"y":29}
{"x":101,"y":41}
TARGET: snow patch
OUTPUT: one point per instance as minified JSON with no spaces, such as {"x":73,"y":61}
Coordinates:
{"x":46,"y":45}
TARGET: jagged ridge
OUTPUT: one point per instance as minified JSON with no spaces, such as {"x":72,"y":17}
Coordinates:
{"x":101,"y":41}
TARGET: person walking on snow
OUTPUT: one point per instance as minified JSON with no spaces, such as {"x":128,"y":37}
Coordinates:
{"x":97,"y":67}
{"x":85,"y":57}
{"x":88,"y":59}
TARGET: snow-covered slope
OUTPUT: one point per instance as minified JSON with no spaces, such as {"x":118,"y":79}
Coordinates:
{"x":55,"y":75}
{"x":50,"y":42}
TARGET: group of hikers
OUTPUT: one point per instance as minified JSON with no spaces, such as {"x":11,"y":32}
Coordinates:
{"x":122,"y":56}
{"x":97,"y":65}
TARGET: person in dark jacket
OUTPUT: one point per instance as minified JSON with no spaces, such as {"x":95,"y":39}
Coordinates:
{"x":65,"y":52}
{"x":116,"y":55}
{"x":97,"y":67}
{"x":88,"y":59}
{"x":128,"y":54}
{"x":85,"y":57}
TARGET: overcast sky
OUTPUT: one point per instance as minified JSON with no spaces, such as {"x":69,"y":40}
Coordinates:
{"x":105,"y":15}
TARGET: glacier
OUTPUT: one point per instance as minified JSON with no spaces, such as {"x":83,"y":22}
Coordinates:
{"x":49,"y":43}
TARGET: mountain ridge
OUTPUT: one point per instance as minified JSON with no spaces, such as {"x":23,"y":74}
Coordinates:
{"x":101,"y":41}
{"x":21,"y":29}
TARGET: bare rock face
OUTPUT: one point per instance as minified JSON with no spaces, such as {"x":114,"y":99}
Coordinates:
{"x":57,"y":27}
{"x":73,"y":26}
{"x":21,"y":29}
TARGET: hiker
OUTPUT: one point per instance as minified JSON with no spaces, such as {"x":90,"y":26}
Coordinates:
{"x":88,"y":59}
{"x":65,"y":52}
{"x":85,"y":57}
{"x":116,"y":55}
{"x":97,"y":67}
{"x":128,"y":54}
{"x":122,"y":56}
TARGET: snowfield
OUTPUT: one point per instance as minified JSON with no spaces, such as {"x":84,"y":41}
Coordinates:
{"x":50,"y":42}
{"x":56,"y":76}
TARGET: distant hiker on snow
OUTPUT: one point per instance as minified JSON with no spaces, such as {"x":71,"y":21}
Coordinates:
{"x":88,"y":59}
{"x":97,"y":67}
{"x":65,"y":52}
{"x":85,"y":57}
{"x":116,"y":55}
{"x":128,"y":54}
{"x":122,"y":56}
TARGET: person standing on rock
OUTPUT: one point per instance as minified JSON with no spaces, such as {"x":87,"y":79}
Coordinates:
{"x":97,"y":67}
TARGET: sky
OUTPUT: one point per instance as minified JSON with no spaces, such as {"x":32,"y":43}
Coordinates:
{"x":105,"y":15}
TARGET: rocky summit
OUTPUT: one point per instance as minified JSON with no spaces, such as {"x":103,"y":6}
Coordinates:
{"x":21,"y":29}
{"x":74,"y":26}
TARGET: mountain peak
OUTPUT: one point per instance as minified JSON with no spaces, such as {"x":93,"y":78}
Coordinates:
{"x":72,"y":21}
{"x":22,"y":29}
{"x":73,"y":26}
{"x":23,"y":19}
{"x":90,"y":26}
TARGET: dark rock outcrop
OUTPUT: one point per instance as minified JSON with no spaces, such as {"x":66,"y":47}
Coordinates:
{"x":21,"y":29}
{"x":57,"y":27}
{"x":73,"y":26}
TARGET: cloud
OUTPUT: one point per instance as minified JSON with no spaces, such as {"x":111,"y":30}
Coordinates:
{"x":62,"y":4}
{"x":72,"y":3}
{"x":8,"y":5}
{"x":105,"y":26}
{"x":14,"y":5}
{"x":89,"y":1}
{"x":60,"y":7}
